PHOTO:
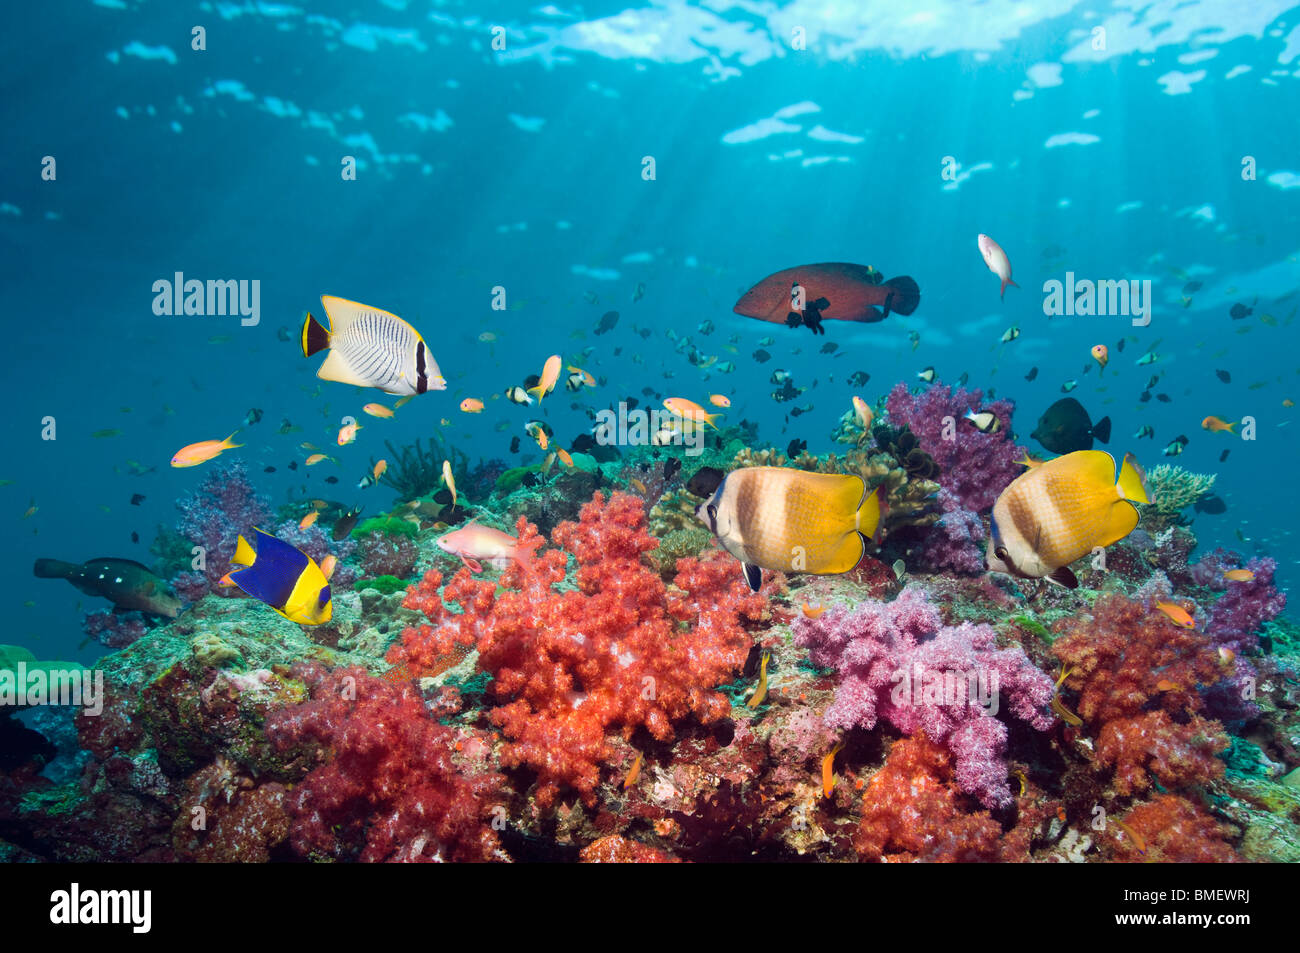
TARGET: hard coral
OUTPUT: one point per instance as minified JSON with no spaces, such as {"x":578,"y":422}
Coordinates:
{"x":389,"y":790}
{"x":898,"y":661}
{"x":975,"y":466}
{"x":620,"y":651}
{"x":953,"y":544}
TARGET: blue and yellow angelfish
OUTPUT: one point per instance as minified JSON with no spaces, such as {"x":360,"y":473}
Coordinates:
{"x":284,"y":577}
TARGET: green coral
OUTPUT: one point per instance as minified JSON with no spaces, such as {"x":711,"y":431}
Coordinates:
{"x":512,"y":479}
{"x":1173,"y":489}
{"x":52,"y":801}
{"x":385,"y":584}
{"x":687,"y":541}
{"x":388,"y":525}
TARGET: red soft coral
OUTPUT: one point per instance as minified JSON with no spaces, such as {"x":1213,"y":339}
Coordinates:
{"x":913,"y":810}
{"x":1177,"y":754}
{"x":620,"y":651}
{"x":1137,"y":675}
{"x":389,"y":790}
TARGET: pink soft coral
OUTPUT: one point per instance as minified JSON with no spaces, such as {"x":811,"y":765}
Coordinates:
{"x":620,"y":651}
{"x":888,"y":653}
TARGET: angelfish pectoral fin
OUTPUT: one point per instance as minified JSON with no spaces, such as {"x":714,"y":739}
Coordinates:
{"x":1064,"y":577}
{"x":753,"y":576}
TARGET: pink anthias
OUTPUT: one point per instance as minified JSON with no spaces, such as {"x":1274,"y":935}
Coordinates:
{"x":476,"y":544}
{"x":997,"y":261}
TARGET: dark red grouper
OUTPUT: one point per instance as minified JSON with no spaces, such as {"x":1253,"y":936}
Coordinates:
{"x":833,"y":291}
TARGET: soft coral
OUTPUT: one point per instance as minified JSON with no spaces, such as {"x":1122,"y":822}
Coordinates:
{"x":619,"y":651}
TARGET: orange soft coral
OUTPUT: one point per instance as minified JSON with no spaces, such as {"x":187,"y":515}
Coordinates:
{"x":621,"y":651}
{"x":912,"y":810}
{"x":1174,"y":830}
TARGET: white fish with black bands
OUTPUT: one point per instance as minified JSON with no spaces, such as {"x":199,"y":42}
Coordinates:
{"x":370,"y":347}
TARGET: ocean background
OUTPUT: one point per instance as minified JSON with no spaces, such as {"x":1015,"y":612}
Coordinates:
{"x":522,"y":168}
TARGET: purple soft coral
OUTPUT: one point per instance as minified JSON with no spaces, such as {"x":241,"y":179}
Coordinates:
{"x":975,"y":466}
{"x":1236,"y":618}
{"x":898,"y":661}
{"x":954,"y":543}
{"x":213,"y":516}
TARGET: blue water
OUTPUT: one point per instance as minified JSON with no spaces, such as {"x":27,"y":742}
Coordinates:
{"x":522,"y":168}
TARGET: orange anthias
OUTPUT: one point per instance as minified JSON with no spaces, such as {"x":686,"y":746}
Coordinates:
{"x":1177,"y":614}
{"x":203,"y":451}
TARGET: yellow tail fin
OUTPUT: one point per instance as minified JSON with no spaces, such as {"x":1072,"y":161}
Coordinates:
{"x":244,"y":553}
{"x":1132,"y":480}
{"x":868,"y":514}
{"x":227,"y":445}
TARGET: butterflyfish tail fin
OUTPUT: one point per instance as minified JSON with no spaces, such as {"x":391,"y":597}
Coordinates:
{"x":1132,"y":480}
{"x":315,"y":338}
{"x":868,"y":515}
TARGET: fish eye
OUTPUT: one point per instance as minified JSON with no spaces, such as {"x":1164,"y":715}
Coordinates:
{"x":1001,"y":553}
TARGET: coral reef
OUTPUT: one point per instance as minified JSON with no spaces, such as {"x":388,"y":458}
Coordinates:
{"x":953,"y":543}
{"x":114,"y":629}
{"x":1238,"y":615}
{"x":619,"y":651}
{"x":386,"y":554}
{"x":897,"y":661}
{"x":912,"y":810}
{"x":1173,"y":830}
{"x":975,"y":466}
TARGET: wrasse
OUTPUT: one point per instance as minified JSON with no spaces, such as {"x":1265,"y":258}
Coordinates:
{"x":761,"y":692}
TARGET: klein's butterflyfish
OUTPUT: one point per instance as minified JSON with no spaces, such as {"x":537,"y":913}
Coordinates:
{"x":792,"y":520}
{"x":370,"y":348}
{"x":284,"y":577}
{"x":1060,"y":511}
